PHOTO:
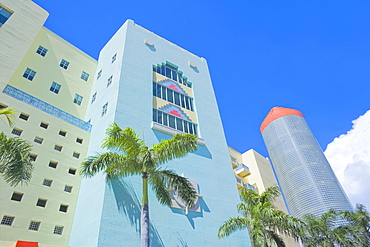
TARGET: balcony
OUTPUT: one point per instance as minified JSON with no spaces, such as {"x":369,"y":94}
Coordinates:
{"x":239,"y":183}
{"x":249,"y":186}
{"x":242,"y":170}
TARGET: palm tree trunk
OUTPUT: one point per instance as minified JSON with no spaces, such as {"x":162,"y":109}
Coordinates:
{"x":145,"y":239}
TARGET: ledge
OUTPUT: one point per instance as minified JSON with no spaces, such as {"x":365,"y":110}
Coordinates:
{"x":170,"y":131}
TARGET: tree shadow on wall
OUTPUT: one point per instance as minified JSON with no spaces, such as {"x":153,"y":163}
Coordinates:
{"x":129,"y":204}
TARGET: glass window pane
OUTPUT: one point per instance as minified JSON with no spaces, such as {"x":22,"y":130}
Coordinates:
{"x":169,"y":95}
{"x":182,"y":100}
{"x":165,"y":119}
{"x":168,"y":72}
{"x":186,"y":127}
{"x":179,"y":124}
{"x":159,"y":69}
{"x":187,"y":101}
{"x":159,"y":117}
{"x":163,"y":70}
{"x":191,"y":104}
{"x":174,"y":75}
{"x":154,"y":89}
{"x":177,"y":98}
{"x":194,"y":129}
{"x":171,"y":121}
{"x":191,"y":128}
{"x":154,"y":115}
{"x":159,"y":91}
{"x":164,"y":93}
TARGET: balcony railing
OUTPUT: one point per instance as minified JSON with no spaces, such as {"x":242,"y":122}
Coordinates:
{"x":249,"y":186}
{"x":242,"y":170}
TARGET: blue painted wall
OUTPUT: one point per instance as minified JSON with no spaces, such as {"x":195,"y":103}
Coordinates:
{"x":108,"y":214}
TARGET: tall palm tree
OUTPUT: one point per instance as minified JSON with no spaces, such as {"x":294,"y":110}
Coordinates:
{"x":360,"y":218}
{"x":133,"y":157}
{"x":263,"y":221}
{"x":15,"y":163}
{"x":330,"y":230}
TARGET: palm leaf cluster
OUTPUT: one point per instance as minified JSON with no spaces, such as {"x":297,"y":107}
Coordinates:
{"x":8,"y":113}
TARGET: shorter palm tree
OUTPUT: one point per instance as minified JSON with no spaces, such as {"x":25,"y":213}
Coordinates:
{"x":132,"y":157}
{"x":330,"y":230}
{"x":263,"y":221}
{"x":361,"y":219}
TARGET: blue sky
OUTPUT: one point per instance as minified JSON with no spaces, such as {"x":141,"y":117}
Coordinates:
{"x":313,"y":56}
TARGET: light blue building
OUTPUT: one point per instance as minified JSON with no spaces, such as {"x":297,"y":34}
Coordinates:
{"x":150,"y":84}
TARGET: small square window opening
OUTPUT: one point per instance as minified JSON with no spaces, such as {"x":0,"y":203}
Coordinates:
{"x":76,"y":155}
{"x":44,"y":125}
{"x":68,"y":188}
{"x":63,"y":208}
{"x":58,"y":147}
{"x":47,"y":182}
{"x":72,"y":171}
{"x":64,"y":64}
{"x":104,"y":109}
{"x":17,"y":196}
{"x":38,"y":139}
{"x":33,"y":157}
{"x":79,"y":140}
{"x":42,"y":51}
{"x":24,"y":116}
{"x":58,"y":230}
{"x":55,"y":87}
{"x":17,"y":132}
{"x":114,"y":58}
{"x":99,"y":74}
{"x":34,"y":225}
{"x":29,"y":74}
{"x":84,"y":76}
{"x":7,"y":220}
{"x":53,"y":164}
{"x":62,"y":132}
{"x":41,"y":202}
{"x":110,"y":79}
{"x":93,"y":98}
{"x":78,"y":99}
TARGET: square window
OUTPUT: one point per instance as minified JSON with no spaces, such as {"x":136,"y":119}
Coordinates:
{"x":4,"y":15}
{"x":38,"y":139}
{"x":76,"y":155}
{"x":58,"y":230}
{"x":68,"y":188}
{"x":24,"y":116}
{"x":44,"y":125}
{"x":33,"y":157}
{"x":53,"y":164}
{"x":34,"y":225}
{"x":47,"y":182}
{"x":63,"y":208}
{"x":72,"y":171}
{"x":55,"y":87}
{"x":42,"y":51}
{"x":104,"y":109}
{"x":64,"y":64}
{"x":93,"y":98}
{"x":17,"y":196}
{"x":99,"y":74}
{"x":79,"y":140}
{"x":78,"y":99}
{"x":2,"y":106}
{"x":84,"y":76}
{"x":7,"y":220}
{"x":62,"y":132}
{"x":114,"y":58}
{"x":41,"y":202}
{"x":58,"y":147}
{"x":110,"y":79}
{"x":17,"y":132}
{"x":29,"y":74}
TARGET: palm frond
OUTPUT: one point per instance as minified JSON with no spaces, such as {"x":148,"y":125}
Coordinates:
{"x":15,"y":162}
{"x":125,"y":140}
{"x":160,"y":185}
{"x":273,"y":236}
{"x":232,"y":225}
{"x":9,"y":114}
{"x":176,"y":147}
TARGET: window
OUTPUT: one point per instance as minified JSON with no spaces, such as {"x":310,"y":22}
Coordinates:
{"x":104,"y":109}
{"x":42,"y":51}
{"x":63,"y":208}
{"x":44,"y":125}
{"x":53,"y":164}
{"x":24,"y":116}
{"x":79,"y":140}
{"x":58,"y":147}
{"x":4,"y":15}
{"x":17,"y":132}
{"x":64,"y":64}
{"x":29,"y":74}
{"x":174,"y":122}
{"x":55,"y":87}
{"x":93,"y":97}
{"x":171,"y":71}
{"x":7,"y":220}
{"x":172,"y":96}
{"x":76,"y":155}
{"x":99,"y":74}
{"x":72,"y":171}
{"x":41,"y":202}
{"x":17,"y":196}
{"x":62,"y":132}
{"x":68,"y":188}
{"x":58,"y":230}
{"x":33,"y":157}
{"x":110,"y":79}
{"x":84,"y":76}
{"x":78,"y":99}
{"x":34,"y":225}
{"x":47,"y":182}
{"x":38,"y":140}
{"x":114,"y":58}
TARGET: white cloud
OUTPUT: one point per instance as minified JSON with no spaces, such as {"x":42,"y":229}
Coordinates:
{"x":349,"y":156}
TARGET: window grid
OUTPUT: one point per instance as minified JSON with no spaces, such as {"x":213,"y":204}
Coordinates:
{"x":104,"y":109}
{"x":174,"y":122}
{"x":110,"y":79}
{"x":68,"y":188}
{"x":84,"y":76}
{"x":42,"y":51}
{"x":17,"y":132}
{"x":58,"y":230}
{"x":7,"y":220}
{"x":173,"y":96}
{"x":172,"y":73}
{"x":47,"y":182}
{"x":55,"y":87}
{"x":64,"y":64}
{"x":29,"y":74}
{"x":34,"y":225}
{"x":78,"y":99}
{"x":38,"y":140}
{"x":24,"y":116}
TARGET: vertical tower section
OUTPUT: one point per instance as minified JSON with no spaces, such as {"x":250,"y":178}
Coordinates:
{"x":159,"y":89}
{"x":306,"y":178}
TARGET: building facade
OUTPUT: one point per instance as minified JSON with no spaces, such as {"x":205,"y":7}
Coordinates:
{"x":306,"y":178}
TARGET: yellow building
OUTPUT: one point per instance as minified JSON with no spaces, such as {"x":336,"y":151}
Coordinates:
{"x":48,"y":82}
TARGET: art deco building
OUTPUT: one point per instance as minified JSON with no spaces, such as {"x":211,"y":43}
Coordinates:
{"x":306,"y":178}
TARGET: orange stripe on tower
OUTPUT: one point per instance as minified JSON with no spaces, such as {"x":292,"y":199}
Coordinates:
{"x":26,"y":244}
{"x":278,"y":112}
